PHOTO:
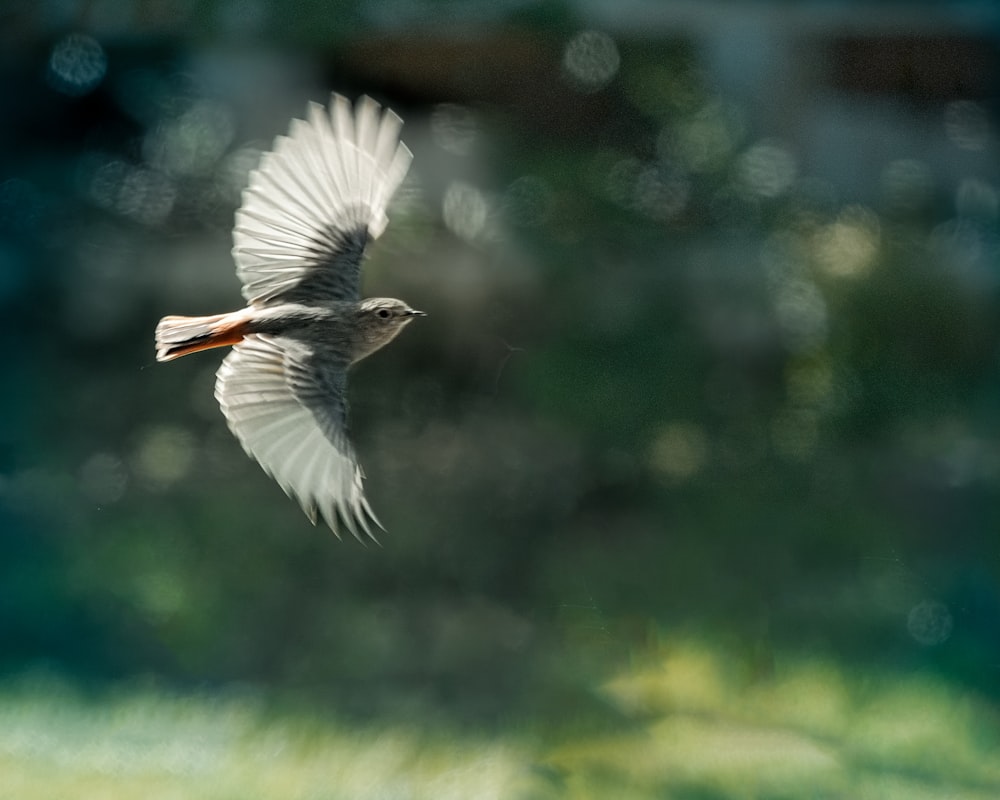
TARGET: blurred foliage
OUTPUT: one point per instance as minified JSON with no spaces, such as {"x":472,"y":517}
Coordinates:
{"x":693,"y":724}
{"x":712,"y":352}
{"x":227,"y":745}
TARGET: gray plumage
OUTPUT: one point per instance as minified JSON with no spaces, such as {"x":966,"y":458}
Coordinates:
{"x":308,"y":214}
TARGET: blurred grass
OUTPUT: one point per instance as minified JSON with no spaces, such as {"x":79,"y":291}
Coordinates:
{"x":698,"y":723}
{"x":144,"y":743}
{"x":716,"y":728}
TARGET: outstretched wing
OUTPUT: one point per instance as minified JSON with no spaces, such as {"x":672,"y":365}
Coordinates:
{"x":314,"y":202}
{"x":288,"y":408}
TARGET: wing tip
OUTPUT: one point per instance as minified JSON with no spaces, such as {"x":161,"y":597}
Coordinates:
{"x":357,"y":148}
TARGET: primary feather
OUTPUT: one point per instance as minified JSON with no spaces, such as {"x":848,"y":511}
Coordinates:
{"x":315,"y":201}
{"x":287,"y":405}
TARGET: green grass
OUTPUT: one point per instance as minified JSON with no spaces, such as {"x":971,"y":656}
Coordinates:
{"x":145,"y":744}
{"x":699,"y":726}
{"x":808,"y":729}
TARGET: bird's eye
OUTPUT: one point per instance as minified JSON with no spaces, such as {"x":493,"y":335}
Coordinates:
{"x":383,"y":313}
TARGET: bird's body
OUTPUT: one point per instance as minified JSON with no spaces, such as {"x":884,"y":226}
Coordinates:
{"x":345,"y":330}
{"x":307,"y":216}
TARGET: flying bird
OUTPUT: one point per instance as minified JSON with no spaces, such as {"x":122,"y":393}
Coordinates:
{"x":307,"y":216}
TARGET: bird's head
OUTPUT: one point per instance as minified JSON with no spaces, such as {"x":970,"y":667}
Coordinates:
{"x":380,"y":319}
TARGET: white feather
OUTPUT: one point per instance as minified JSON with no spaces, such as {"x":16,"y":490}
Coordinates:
{"x":283,"y":436}
{"x":336,"y":169}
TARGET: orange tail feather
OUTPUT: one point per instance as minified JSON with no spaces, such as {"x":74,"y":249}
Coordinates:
{"x":180,"y":336}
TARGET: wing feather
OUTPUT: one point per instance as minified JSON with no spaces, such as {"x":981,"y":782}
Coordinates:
{"x":288,"y":408}
{"x":315,"y":201}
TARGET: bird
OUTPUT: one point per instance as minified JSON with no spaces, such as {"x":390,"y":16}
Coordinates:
{"x":310,"y":210}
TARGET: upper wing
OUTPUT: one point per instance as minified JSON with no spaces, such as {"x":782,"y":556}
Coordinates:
{"x":288,"y":408}
{"x":315,"y":200}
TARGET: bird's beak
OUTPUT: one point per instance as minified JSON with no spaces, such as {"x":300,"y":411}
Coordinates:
{"x":414,"y":313}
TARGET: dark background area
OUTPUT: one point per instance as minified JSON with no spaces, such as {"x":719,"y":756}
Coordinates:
{"x":712,"y":350}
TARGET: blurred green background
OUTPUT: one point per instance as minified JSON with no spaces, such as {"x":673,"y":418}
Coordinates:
{"x":691,"y":475}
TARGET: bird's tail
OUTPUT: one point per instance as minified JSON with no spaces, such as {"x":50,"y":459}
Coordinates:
{"x":179,"y":336}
